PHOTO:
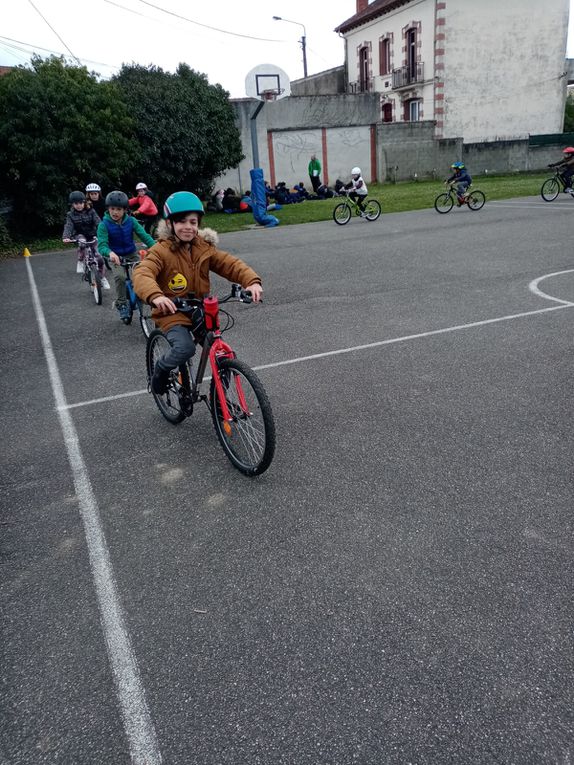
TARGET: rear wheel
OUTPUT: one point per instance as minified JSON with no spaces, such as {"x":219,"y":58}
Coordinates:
{"x":550,"y":189}
{"x":96,"y":284}
{"x":168,"y":403}
{"x":146,"y":322}
{"x":443,"y":203}
{"x":248,"y":439}
{"x":372,"y":209}
{"x":475,"y":200}
{"x":342,"y":213}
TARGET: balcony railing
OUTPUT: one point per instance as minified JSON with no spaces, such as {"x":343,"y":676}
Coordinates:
{"x":362,"y":86}
{"x":408,"y":75}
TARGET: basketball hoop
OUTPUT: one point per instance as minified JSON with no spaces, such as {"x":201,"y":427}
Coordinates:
{"x":271,"y":94}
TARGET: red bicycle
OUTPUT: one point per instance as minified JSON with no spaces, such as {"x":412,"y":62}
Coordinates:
{"x":240,"y":409}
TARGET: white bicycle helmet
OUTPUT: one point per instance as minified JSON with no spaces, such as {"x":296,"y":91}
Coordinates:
{"x":93,"y":187}
{"x":356,"y":171}
{"x":140,"y":186}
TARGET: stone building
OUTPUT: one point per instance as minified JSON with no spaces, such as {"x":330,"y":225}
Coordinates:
{"x":483,"y":71}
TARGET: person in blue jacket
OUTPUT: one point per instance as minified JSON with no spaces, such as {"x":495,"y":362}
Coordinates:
{"x":116,"y":242}
{"x":461,"y":177}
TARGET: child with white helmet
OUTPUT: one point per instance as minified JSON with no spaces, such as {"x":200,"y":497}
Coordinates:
{"x":145,"y":209}
{"x":358,"y":188}
{"x":95,"y":199}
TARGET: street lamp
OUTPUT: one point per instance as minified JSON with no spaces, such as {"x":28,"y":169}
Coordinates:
{"x":303,"y":40}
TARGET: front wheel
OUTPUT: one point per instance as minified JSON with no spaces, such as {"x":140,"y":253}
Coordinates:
{"x":372,"y":209}
{"x":147,"y":324}
{"x":168,"y":403}
{"x":550,"y":189}
{"x":96,"y":284}
{"x":342,"y":213}
{"x":475,"y":200}
{"x":443,"y":203}
{"x":248,"y":439}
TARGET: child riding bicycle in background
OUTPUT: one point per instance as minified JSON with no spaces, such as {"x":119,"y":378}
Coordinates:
{"x":80,"y":226}
{"x":358,"y":188}
{"x":145,"y":209}
{"x":94,"y":199}
{"x":566,"y":168}
{"x":462,"y":178}
{"x":180,"y":263}
{"x":116,"y":235}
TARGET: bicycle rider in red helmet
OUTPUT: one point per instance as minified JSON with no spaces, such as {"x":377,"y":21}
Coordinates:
{"x":566,"y":168}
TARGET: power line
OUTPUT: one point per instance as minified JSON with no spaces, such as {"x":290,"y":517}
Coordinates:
{"x":54,"y":31}
{"x":49,"y":50}
{"x":206,"y":26}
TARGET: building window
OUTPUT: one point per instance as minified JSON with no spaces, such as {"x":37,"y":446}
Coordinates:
{"x":385,"y":56}
{"x":387,"y":112}
{"x":412,"y":110}
{"x":411,"y":53}
{"x":364,"y":69}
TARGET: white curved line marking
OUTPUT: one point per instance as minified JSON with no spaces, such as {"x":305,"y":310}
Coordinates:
{"x":533,"y":287}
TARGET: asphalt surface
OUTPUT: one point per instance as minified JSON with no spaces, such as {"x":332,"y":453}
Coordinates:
{"x":397,"y":588}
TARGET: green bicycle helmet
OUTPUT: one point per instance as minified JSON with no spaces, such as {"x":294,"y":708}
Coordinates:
{"x":117,"y":199}
{"x":182,"y":202}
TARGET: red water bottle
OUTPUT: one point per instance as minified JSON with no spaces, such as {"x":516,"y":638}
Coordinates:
{"x":211,"y":308}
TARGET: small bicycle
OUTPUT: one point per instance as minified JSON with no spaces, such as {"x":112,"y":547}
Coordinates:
{"x":134,"y":303}
{"x":240,"y":409}
{"x":343,"y":212}
{"x":552,"y":187}
{"x":444,"y":203}
{"x":88,"y":257}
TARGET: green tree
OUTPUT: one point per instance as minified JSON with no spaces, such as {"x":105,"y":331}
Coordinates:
{"x":569,"y":114}
{"x":186,"y":128}
{"x":60,"y":128}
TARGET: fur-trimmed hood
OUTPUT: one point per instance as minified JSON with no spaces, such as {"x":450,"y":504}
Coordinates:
{"x":209,"y":234}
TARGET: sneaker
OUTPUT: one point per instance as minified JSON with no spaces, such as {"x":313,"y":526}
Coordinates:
{"x":79,"y":267}
{"x":568,"y":190}
{"x":105,"y":283}
{"x":159,"y":380}
{"x":124,"y":312}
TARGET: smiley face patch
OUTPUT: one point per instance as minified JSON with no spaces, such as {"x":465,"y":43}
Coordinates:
{"x":178,"y":283}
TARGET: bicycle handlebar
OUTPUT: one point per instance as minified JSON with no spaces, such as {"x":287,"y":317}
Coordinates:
{"x":188,"y":303}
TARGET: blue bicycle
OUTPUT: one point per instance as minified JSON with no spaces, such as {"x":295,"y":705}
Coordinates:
{"x":134,"y":303}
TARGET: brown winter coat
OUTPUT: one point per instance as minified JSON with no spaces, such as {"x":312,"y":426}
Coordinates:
{"x":175,"y":273}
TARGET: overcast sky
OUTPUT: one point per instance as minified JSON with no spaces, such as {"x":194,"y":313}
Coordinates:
{"x":105,"y":33}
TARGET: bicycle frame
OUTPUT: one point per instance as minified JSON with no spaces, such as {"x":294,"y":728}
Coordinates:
{"x":213,"y":349}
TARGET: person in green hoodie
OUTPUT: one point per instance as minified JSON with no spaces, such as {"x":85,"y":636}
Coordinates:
{"x":116,"y":243}
{"x":315,"y":173}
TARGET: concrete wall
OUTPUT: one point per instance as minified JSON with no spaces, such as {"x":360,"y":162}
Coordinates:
{"x":504,"y":65}
{"x":343,"y":131}
{"x":325,"y":83}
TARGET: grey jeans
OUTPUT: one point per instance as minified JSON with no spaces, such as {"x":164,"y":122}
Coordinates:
{"x":119,"y":273}
{"x":182,"y":347}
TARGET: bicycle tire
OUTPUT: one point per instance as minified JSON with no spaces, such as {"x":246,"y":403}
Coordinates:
{"x":147,"y":324}
{"x":444,"y":203}
{"x":168,"y":403}
{"x":475,"y":200}
{"x":342,"y":213}
{"x":372,"y":209}
{"x":550,"y":189}
{"x":96,"y":284}
{"x":249,"y":440}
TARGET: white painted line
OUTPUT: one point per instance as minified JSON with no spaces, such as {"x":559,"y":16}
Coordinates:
{"x":378,"y":344}
{"x":103,"y":400}
{"x":533,"y":286}
{"x":547,"y":205}
{"x":138,"y":724}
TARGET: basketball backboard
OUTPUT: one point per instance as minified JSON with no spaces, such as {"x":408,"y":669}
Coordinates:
{"x":266,"y":80}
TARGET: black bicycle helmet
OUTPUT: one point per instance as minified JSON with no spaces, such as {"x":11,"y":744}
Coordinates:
{"x":117,"y":199}
{"x":76,"y":196}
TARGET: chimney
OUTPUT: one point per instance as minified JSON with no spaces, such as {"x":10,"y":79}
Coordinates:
{"x":361,"y":5}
